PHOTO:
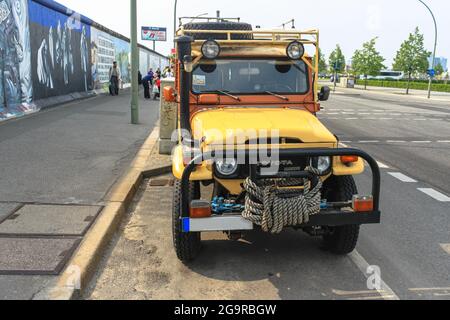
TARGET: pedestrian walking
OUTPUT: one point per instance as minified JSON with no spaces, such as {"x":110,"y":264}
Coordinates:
{"x":114,"y":78}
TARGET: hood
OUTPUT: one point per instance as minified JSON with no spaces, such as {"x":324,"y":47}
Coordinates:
{"x":228,"y":123}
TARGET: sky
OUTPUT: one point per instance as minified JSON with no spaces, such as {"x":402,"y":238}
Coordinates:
{"x":348,"y":23}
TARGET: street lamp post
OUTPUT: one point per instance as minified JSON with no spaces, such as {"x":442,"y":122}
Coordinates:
{"x":435,"y":45}
{"x":134,"y":64}
{"x":175,"y":21}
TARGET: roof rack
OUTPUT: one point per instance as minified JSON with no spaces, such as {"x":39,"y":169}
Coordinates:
{"x":207,"y":19}
{"x":273,"y":38}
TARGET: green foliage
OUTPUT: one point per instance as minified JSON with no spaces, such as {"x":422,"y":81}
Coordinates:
{"x":417,"y":85}
{"x":412,"y":58}
{"x":322,"y":62}
{"x":368,"y":61}
{"x":439,"y":69}
{"x":337,"y":57}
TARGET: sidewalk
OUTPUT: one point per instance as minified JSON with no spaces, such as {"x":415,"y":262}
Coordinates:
{"x":56,"y":172}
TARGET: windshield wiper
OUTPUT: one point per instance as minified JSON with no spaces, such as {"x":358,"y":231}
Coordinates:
{"x":228,"y":94}
{"x":278,"y":96}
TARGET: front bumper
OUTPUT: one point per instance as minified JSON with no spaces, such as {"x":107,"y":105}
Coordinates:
{"x":331,"y":218}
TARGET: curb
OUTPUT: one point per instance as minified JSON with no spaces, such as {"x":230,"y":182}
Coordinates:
{"x":81,"y":267}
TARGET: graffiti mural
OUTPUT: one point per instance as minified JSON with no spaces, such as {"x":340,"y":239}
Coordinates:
{"x":105,"y":49}
{"x":46,"y":50}
{"x":16,"y":91}
{"x":60,"y":53}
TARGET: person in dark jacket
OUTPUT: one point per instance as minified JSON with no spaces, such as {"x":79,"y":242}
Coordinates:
{"x":146,"y":82}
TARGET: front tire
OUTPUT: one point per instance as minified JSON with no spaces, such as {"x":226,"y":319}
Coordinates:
{"x":187,"y":245}
{"x":341,"y":240}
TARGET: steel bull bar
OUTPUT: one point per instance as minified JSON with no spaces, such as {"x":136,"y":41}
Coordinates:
{"x":328,"y":217}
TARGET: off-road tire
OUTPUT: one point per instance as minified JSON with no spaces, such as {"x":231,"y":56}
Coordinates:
{"x":239,"y":26}
{"x":187,"y":245}
{"x":341,"y":240}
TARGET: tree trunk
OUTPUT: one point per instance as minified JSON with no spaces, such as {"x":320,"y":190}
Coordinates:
{"x":365,"y":83}
{"x":409,"y":81}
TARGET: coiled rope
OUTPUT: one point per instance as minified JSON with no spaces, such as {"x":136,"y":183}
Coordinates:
{"x":273,"y":206}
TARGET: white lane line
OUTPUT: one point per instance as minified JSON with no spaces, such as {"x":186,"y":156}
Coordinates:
{"x":385,"y":291}
{"x":396,"y":141}
{"x":443,"y":141}
{"x":402,"y":177}
{"x":435,"y":194}
{"x":382,"y":165}
{"x":446,"y":247}
{"x":420,"y":141}
{"x":369,"y":141}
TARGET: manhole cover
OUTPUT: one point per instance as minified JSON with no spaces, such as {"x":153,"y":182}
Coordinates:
{"x":50,"y":220}
{"x":33,"y":256}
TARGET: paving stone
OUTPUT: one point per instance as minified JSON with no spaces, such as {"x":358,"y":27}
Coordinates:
{"x":6,"y":209}
{"x":32,"y":256}
{"x":50,"y":220}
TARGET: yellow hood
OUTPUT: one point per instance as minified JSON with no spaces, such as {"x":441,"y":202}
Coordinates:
{"x":218,"y":125}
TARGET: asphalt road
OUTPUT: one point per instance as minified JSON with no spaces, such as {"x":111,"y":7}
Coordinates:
{"x":411,"y":248}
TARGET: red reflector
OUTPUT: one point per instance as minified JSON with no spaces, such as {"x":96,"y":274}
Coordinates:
{"x":362,"y":203}
{"x":200,"y":209}
{"x":349,"y":159}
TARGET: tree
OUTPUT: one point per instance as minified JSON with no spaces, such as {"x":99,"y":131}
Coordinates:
{"x":367,"y":61}
{"x":439,"y":69}
{"x":322,"y":63}
{"x":336,"y":61}
{"x":412,"y":58}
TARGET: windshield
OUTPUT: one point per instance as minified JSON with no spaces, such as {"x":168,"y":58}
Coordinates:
{"x":251,"y":76}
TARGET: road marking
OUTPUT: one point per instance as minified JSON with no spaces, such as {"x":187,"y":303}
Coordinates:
{"x":396,"y":141}
{"x":351,"y":119}
{"x":383,"y":297}
{"x":443,"y":141}
{"x":420,"y":141}
{"x":402,"y":177}
{"x":369,"y":141}
{"x":420,"y":119}
{"x":382,"y":165}
{"x":435,"y":194}
{"x":385,"y":291}
{"x":446,"y":247}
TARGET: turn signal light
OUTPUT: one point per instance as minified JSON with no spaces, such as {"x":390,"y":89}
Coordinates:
{"x":200,"y":209}
{"x":349,"y":159}
{"x":362,"y":203}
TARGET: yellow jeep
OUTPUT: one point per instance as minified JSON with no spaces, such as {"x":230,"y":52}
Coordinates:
{"x":248,"y":101}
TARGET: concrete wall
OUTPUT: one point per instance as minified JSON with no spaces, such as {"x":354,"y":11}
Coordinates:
{"x":49,"y":54}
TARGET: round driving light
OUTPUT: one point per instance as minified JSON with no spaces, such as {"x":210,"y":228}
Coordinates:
{"x":227,"y":167}
{"x":295,"y":50}
{"x":211,"y":49}
{"x":323,"y":164}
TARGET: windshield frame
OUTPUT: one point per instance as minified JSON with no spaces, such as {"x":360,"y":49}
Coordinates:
{"x":307,"y":75}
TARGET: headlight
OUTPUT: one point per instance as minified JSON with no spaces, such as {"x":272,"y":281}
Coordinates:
{"x":295,"y":50}
{"x":226,"y":167}
{"x":211,"y":49}
{"x":323,"y":164}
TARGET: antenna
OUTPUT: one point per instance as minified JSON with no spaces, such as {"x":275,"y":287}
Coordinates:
{"x":283,"y":25}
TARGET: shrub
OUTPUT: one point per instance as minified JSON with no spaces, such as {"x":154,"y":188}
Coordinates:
{"x":438,"y":86}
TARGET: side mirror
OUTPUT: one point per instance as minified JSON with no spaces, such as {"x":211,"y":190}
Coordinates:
{"x":324,"y":93}
{"x":169,"y":94}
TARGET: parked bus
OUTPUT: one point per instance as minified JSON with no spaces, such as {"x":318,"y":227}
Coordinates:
{"x":388,"y":75}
